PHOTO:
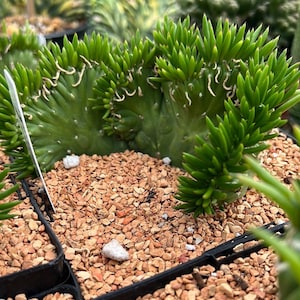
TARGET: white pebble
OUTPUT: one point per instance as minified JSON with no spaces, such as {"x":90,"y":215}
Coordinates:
{"x":190,"y":247}
{"x":165,"y":216}
{"x":115,"y":251}
{"x":71,"y":161}
{"x":166,"y":160}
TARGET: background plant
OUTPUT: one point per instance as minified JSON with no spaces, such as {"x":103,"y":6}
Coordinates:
{"x":294,"y":112}
{"x":67,"y":9}
{"x":287,"y":249}
{"x":120,"y":19}
{"x":280,"y":16}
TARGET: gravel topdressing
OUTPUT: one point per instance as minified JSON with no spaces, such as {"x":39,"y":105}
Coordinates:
{"x":129,"y":197}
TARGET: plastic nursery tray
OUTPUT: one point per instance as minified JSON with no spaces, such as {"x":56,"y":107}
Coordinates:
{"x":222,"y":254}
{"x":42,"y":277}
{"x":58,"y":37}
{"x":70,"y":285}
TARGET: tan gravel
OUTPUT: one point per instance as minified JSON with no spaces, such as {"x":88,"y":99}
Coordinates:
{"x":24,"y":241}
{"x":130,"y":197}
{"x":55,"y":296}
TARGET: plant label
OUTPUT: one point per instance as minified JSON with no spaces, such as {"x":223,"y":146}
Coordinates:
{"x":20,"y":117}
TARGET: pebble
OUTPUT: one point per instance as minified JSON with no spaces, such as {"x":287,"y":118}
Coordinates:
{"x":71,"y":161}
{"x":115,"y":251}
{"x":190,"y":247}
{"x":226,"y":289}
{"x":166,"y":160}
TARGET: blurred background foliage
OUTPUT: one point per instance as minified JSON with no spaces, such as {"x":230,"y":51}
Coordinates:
{"x":120,"y":19}
{"x":67,"y":9}
{"x":281,"y":16}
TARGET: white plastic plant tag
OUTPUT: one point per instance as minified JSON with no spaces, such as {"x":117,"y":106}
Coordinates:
{"x":20,"y":117}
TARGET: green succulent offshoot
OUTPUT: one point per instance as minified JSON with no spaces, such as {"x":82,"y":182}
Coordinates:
{"x":6,"y":207}
{"x":288,"y":248}
{"x":264,"y":85}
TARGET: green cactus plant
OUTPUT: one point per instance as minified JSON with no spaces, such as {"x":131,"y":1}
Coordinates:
{"x":220,"y":89}
{"x":213,"y":94}
{"x":55,"y":97}
{"x":288,"y":249}
{"x":22,"y":47}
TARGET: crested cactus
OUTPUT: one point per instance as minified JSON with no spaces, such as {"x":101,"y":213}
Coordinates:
{"x":212,"y":93}
{"x":288,"y":249}
{"x":220,"y":89}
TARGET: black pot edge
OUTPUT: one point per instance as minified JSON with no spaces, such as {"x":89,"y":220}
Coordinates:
{"x":58,"y":37}
{"x":70,"y":286}
{"x":41,"y":277}
{"x":225,"y":252}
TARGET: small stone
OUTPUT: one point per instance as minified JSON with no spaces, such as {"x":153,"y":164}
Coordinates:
{"x":226,"y":289}
{"x":83,"y":275}
{"x":190,"y":247}
{"x":37,"y":244}
{"x":50,"y":255}
{"x":166,"y":160}
{"x":115,"y":251}
{"x":165,"y":216}
{"x":69,"y":253}
{"x":250,"y":296}
{"x":198,"y":240}
{"x":20,"y":297}
{"x":33,"y":225}
{"x":71,"y":161}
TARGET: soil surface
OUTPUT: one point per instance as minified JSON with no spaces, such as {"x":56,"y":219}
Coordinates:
{"x":39,"y":24}
{"x":130,"y":197}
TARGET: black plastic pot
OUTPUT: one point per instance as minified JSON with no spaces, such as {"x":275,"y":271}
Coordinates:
{"x":222,"y":254}
{"x":69,"y":285}
{"x":58,"y":37}
{"x":42,"y":277}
